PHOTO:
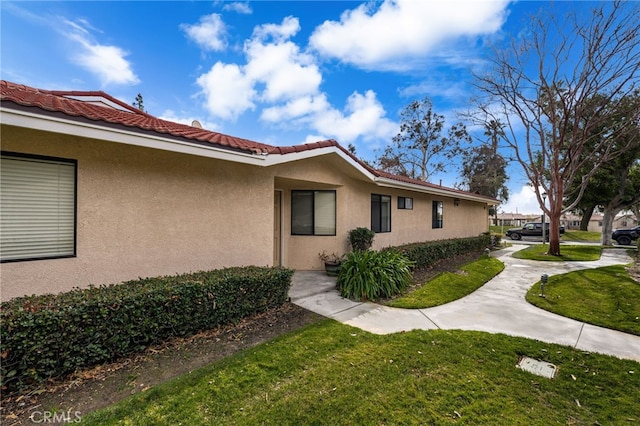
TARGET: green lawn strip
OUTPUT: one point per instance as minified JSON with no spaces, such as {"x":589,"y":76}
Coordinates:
{"x":567,"y":253}
{"x":450,"y":286}
{"x":332,"y":374}
{"x":605,"y":296}
{"x":585,"y":236}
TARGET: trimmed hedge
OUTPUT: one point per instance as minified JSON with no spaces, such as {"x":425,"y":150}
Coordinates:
{"x":427,"y":253}
{"x":51,"y":335}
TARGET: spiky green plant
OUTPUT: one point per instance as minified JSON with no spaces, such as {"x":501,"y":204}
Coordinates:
{"x":370,"y":275}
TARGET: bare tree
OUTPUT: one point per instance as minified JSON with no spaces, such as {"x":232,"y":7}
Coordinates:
{"x":422,"y":148}
{"x":543,"y":87}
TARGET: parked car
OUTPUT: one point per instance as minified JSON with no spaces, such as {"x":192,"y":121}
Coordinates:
{"x":626,"y":236}
{"x":530,"y":229}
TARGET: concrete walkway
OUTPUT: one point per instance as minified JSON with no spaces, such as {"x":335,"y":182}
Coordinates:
{"x":497,"y":307}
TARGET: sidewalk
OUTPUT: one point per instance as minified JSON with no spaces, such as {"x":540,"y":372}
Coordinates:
{"x":497,"y":307}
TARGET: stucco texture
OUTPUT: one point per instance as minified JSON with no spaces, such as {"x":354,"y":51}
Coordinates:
{"x":353,"y":199}
{"x":144,"y":212}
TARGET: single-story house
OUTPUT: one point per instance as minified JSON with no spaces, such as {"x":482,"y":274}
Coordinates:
{"x":625,"y":220}
{"x":572,"y":221}
{"x":515,"y":219}
{"x":95,"y":191}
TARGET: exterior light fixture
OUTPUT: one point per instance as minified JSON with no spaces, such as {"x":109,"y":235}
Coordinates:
{"x":487,"y":252}
{"x":544,"y":278}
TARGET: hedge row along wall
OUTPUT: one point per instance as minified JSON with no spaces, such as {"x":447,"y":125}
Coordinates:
{"x":50,"y":335}
{"x":427,"y":253}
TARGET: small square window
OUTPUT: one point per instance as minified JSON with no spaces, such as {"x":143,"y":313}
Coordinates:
{"x":405,"y":203}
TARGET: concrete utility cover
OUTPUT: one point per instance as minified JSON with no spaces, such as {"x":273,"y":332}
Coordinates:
{"x":540,"y":368}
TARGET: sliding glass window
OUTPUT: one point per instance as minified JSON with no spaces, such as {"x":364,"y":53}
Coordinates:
{"x":313,"y":212}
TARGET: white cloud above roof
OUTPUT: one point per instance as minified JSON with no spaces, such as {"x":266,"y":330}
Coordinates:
{"x":107,"y":62}
{"x":280,"y":65}
{"x":285,"y":82}
{"x":209,"y":33}
{"x":385,"y":36}
{"x":227,"y":90}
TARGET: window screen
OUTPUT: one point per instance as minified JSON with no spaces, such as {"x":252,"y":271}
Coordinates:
{"x":38,"y":207}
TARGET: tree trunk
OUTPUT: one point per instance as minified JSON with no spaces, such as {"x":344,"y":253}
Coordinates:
{"x":586,"y":217}
{"x":607,"y":223}
{"x":554,"y":232}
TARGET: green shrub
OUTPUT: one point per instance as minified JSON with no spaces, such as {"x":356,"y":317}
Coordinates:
{"x":361,"y":239}
{"x":370,"y":275}
{"x":51,"y":335}
{"x":426,"y":254}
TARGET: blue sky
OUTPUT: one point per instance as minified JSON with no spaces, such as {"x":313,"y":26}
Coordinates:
{"x":282,"y":73}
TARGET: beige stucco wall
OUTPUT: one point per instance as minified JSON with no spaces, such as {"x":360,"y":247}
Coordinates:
{"x":353,"y":198}
{"x":144,"y":212}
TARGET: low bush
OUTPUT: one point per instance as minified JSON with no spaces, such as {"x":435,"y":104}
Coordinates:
{"x":370,"y":275}
{"x":51,"y":335}
{"x":428,"y":253}
{"x":361,"y":239}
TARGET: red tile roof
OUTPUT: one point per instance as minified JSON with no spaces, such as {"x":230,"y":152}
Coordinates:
{"x":63,"y":102}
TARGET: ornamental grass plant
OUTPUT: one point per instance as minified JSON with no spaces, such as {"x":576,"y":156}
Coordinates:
{"x":370,"y":275}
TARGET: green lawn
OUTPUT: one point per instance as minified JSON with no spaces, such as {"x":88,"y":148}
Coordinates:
{"x":567,"y":253}
{"x":450,"y":286}
{"x":606,"y":296}
{"x":583,"y":236}
{"x":332,"y":374}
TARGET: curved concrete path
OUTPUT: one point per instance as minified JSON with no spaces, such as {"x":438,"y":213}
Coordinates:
{"x":497,"y":307}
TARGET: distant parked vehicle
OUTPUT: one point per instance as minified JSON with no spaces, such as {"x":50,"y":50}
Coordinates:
{"x":530,"y":229}
{"x":626,"y":236}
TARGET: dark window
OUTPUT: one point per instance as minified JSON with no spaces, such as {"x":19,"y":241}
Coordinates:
{"x":313,"y":212}
{"x":380,"y":213}
{"x":436,"y":214}
{"x":405,"y":203}
{"x":38,"y":209}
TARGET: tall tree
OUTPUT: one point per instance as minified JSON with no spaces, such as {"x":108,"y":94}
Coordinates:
{"x":484,"y":170}
{"x":615,"y":186}
{"x":422,"y":148}
{"x":139,"y":102}
{"x":543,"y":86}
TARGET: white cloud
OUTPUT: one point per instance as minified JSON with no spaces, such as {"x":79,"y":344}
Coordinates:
{"x":242,"y":8}
{"x":209,"y":33}
{"x":524,"y":201}
{"x":296,"y":108}
{"x":400,"y":30}
{"x":228,"y":92}
{"x":364,"y":117}
{"x":285,"y":83}
{"x":315,"y":138}
{"x":280,"y":65}
{"x":107,"y":62}
{"x":280,"y":32}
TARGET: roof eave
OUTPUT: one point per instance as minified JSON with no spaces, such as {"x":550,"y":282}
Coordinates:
{"x":54,"y":124}
{"x":445,"y":192}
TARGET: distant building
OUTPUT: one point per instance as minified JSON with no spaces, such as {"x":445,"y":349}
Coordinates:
{"x":515,"y":219}
{"x":572,"y":221}
{"x":625,"y":220}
